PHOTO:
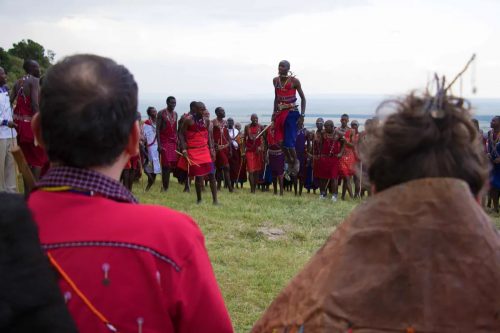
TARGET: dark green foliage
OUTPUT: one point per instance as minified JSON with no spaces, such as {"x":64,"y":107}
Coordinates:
{"x":12,"y":59}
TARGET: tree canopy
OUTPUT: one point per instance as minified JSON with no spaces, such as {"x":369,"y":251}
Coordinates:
{"x":12,"y":59}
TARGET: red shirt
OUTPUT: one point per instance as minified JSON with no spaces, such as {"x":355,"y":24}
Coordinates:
{"x":154,"y":259}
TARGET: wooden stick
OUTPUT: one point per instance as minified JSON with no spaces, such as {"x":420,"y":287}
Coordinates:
{"x":462,"y":71}
{"x":25,"y":170}
{"x":187,"y":159}
{"x":264,"y":130}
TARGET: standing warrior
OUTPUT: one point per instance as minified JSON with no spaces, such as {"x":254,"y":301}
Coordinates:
{"x":331,"y":149}
{"x":286,"y":113}
{"x":166,"y":128}
{"x":221,"y":143}
{"x":25,"y":96}
{"x":197,"y":148}
{"x":153,"y":167}
{"x":254,"y":147}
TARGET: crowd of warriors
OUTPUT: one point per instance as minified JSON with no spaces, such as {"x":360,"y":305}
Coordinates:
{"x":327,"y":155}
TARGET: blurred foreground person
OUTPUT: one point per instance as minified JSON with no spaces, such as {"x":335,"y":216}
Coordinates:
{"x":128,"y":267}
{"x":29,"y":298}
{"x":420,"y":255}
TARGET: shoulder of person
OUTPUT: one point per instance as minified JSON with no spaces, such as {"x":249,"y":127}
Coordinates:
{"x":169,"y":223}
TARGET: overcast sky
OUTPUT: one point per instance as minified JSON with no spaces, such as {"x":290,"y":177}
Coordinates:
{"x":231,"y":48}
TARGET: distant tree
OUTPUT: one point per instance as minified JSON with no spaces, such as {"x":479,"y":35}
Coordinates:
{"x":5,"y":60}
{"x":29,"y":49}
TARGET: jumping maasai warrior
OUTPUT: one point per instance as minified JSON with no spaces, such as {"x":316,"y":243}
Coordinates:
{"x":275,"y":159}
{"x":286,"y":113}
{"x":151,"y":135}
{"x":348,"y":158}
{"x":25,"y":96}
{"x":331,"y":149}
{"x":166,"y":127}
{"x":223,"y":151}
{"x":197,"y":148}
{"x":253,"y":150}
{"x":300,"y":148}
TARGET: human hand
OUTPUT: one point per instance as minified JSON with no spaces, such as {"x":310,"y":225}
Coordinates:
{"x":12,"y":124}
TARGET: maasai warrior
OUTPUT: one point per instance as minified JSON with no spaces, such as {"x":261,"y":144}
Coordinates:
{"x":300,"y":148}
{"x":197,"y":148}
{"x":25,"y":97}
{"x":153,"y":167}
{"x":348,"y":159}
{"x":286,"y":113}
{"x":236,"y":168}
{"x":133,"y":166}
{"x":330,"y":151}
{"x":254,"y":146}
{"x":166,"y":127}
{"x":355,"y":141}
{"x":494,"y":156}
{"x":222,"y":149}
{"x":102,"y":243}
{"x":316,"y":147}
{"x":181,"y":170}
{"x":7,"y":136}
{"x":310,"y":182}
{"x":275,"y":159}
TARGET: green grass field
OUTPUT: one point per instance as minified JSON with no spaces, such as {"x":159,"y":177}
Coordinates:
{"x":250,"y":267}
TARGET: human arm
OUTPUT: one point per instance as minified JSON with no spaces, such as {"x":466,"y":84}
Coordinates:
{"x":34,"y":91}
{"x":159,"y":119}
{"x":182,"y":135}
{"x":211,"y":145}
{"x":342,"y":146}
{"x":350,"y":143}
{"x":298,"y":86}
{"x":275,"y":107}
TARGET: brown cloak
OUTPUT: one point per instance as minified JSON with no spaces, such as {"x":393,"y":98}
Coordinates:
{"x":418,"y":257}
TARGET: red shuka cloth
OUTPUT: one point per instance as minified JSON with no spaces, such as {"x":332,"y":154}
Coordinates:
{"x":200,"y":163}
{"x":284,"y":95}
{"x":168,"y":141}
{"x":221,"y":142}
{"x":328,"y":163}
{"x":34,"y":154}
{"x":348,"y":159}
{"x":253,"y":154}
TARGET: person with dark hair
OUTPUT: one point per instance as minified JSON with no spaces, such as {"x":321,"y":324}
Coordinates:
{"x":7,"y":136}
{"x":30,"y":300}
{"x":153,"y":166}
{"x":25,"y":97}
{"x":129,"y":267}
{"x":286,"y":113}
{"x":222,"y":149}
{"x":198,"y":153}
{"x":253,"y":150}
{"x":330,"y":150}
{"x":493,"y":146}
{"x":166,"y":127}
{"x":420,"y":255}
{"x":348,"y":158}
